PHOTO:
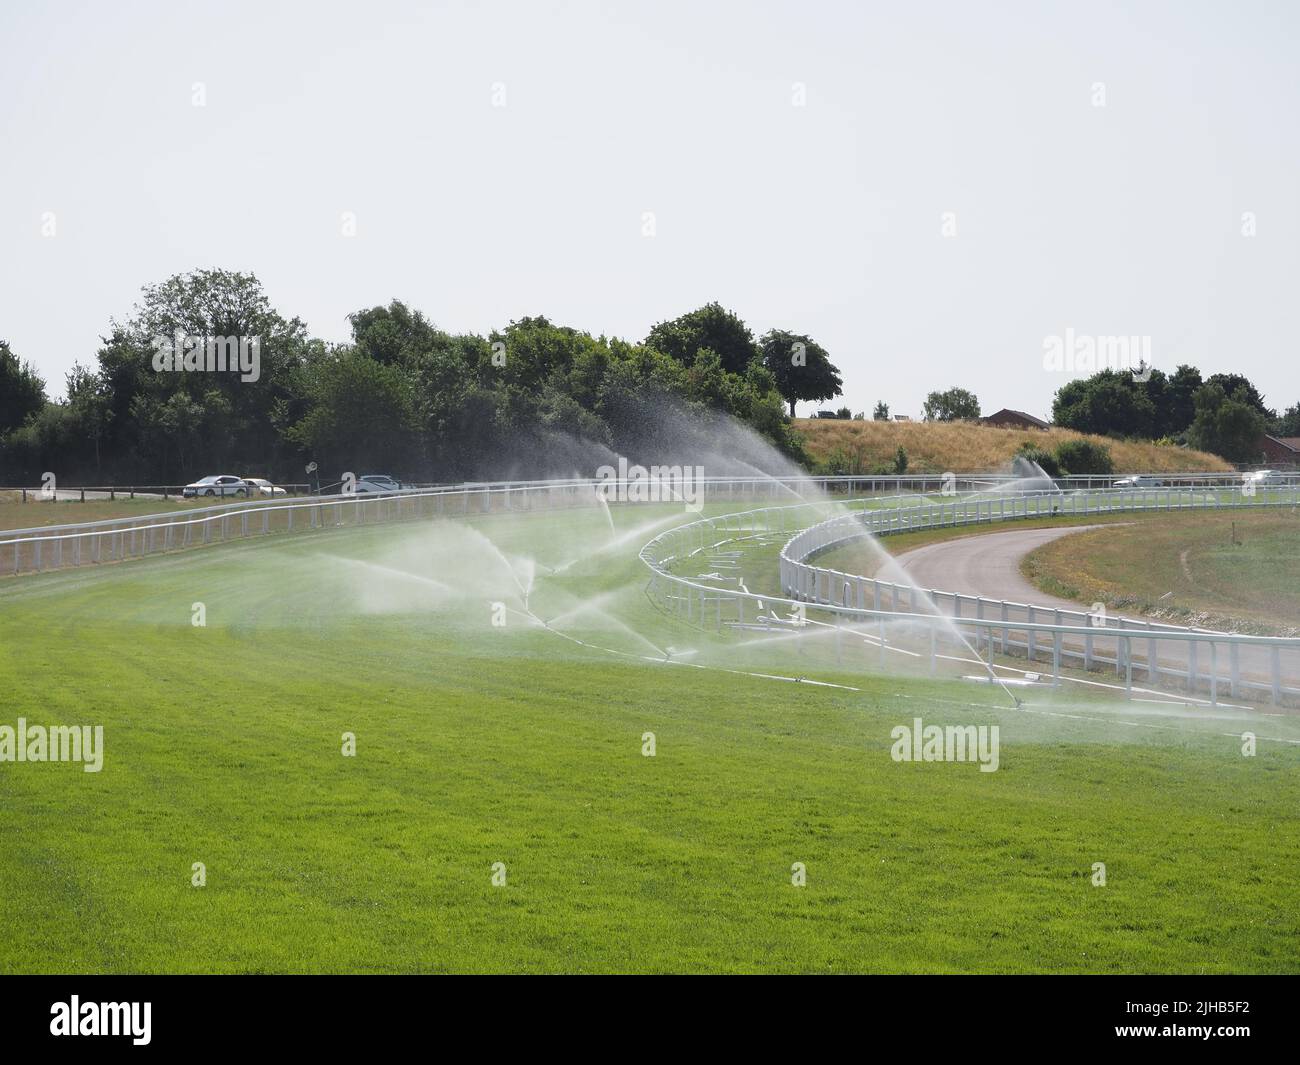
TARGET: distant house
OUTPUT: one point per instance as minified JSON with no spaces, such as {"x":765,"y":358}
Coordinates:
{"x":1015,"y":419}
{"x":902,"y":417}
{"x":1280,"y":450}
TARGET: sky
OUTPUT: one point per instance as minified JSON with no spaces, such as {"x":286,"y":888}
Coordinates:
{"x":930,"y":190}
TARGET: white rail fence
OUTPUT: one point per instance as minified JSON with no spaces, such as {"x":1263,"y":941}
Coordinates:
{"x":51,"y":547}
{"x":1162,"y":656}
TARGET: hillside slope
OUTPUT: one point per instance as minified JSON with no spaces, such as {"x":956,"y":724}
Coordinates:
{"x":935,"y":447}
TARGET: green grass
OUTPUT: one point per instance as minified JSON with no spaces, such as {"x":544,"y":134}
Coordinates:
{"x":479,"y":745}
{"x":34,"y":514}
{"x":863,"y":558}
{"x":1239,"y":570}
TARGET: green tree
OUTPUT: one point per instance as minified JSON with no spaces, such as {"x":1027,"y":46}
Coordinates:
{"x":801,"y":367}
{"x":954,"y":405}
{"x":22,"y":390}
{"x":244,"y":422}
{"x":90,"y":407}
{"x":881,"y":413}
{"x":1289,"y":423}
{"x":1179,"y":402}
{"x":712,"y":327}
{"x":1109,"y":402}
{"x":395,"y":334}
{"x":1239,"y":388}
{"x":1227,"y":425}
{"x":361,"y":416}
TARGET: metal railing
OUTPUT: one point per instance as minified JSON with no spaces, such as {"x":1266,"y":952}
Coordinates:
{"x":111,"y":492}
{"x":807,"y":528}
{"x":854,"y":484}
{"x":1164,"y":655}
{"x":42,"y":548}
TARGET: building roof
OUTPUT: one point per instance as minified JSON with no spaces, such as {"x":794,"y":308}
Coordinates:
{"x":1019,"y":414}
{"x":1290,"y":442}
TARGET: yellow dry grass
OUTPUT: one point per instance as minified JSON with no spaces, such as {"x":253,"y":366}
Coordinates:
{"x":935,"y":447}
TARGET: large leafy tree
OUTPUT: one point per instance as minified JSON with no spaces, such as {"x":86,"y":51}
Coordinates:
{"x":1289,"y":422}
{"x":395,"y":334}
{"x":90,"y":407}
{"x":1227,"y":425}
{"x":1240,"y":388}
{"x":710,"y":327}
{"x":801,"y":367}
{"x":241,"y":424}
{"x":1107,"y":402}
{"x":1178,"y":407}
{"x":22,"y":390}
{"x":360,"y":417}
{"x":952,"y":405}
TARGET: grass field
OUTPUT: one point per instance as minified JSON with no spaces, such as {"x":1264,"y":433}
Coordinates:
{"x":478,"y":744}
{"x":1238,"y":571}
{"x":862,"y":557}
{"x":959,"y":447}
{"x":15,"y":514}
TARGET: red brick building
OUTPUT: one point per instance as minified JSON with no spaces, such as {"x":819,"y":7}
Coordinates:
{"x":1280,"y":450}
{"x":1015,"y":419}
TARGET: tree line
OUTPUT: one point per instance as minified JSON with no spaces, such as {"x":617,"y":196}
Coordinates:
{"x":1224,"y":413}
{"x":402,"y":396}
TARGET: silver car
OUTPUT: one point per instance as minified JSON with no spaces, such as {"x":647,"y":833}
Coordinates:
{"x":376,"y":482}
{"x":216,"y":485}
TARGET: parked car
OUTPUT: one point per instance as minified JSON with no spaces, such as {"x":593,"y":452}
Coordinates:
{"x":1139,"y":481}
{"x":377,"y":482}
{"x":262,"y":487}
{"x":216,"y":485}
{"x":1267,"y":477}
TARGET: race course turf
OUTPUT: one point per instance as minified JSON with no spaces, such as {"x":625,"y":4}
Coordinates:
{"x":499,"y":813}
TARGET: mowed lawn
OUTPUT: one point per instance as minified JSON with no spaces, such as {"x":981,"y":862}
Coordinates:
{"x":479,"y":744}
{"x":34,"y":514}
{"x":1211,"y":568}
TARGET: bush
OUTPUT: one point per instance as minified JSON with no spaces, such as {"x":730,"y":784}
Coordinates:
{"x":900,"y":460}
{"x":1044,"y":459}
{"x":1083,"y":456}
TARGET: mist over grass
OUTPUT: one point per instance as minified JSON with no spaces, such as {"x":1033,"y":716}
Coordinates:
{"x":517,"y":744}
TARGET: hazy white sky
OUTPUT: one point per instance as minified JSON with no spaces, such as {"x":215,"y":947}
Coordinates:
{"x":824,"y":218}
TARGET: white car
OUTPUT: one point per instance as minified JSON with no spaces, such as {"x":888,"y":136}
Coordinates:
{"x":376,"y":482}
{"x":1139,"y":481}
{"x":262,"y":487}
{"x":1266,"y":477}
{"x":216,"y":485}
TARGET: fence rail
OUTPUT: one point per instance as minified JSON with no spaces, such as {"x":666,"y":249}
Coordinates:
{"x":1164,"y":655}
{"x":868,"y":484}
